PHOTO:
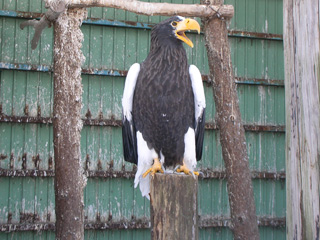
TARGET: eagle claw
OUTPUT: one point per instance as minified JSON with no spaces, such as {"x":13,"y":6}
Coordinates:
{"x":185,"y":170}
{"x":156,"y":167}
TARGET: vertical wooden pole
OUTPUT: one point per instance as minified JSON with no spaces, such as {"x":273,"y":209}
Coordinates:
{"x":174,"y":207}
{"x":67,"y":124}
{"x":232,"y":134}
{"x":302,"y":85}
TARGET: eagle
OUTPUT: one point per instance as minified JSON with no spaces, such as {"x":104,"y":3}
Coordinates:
{"x":163,"y":106}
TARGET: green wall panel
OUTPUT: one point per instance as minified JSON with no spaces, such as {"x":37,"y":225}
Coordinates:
{"x":269,"y":233}
{"x":116,"y":199}
{"x":26,"y":146}
{"x":44,"y":235}
{"x":270,"y":197}
{"x":15,"y":44}
{"x":143,"y":234}
{"x":26,"y":93}
{"x":215,"y":233}
{"x":262,"y":104}
{"x":250,"y":15}
{"x":257,"y":16}
{"x":101,"y":148}
{"x":27,"y":200}
{"x":266,"y":151}
{"x":213,"y":198}
{"x":21,"y":90}
{"x":253,"y":58}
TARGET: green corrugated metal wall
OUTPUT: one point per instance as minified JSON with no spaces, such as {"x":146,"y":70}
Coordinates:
{"x":114,"y":40}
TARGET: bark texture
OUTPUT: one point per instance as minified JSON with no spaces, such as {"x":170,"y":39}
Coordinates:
{"x":174,"y":207}
{"x":164,"y":9}
{"x":67,"y":124}
{"x":232,"y":134}
{"x":302,"y":82}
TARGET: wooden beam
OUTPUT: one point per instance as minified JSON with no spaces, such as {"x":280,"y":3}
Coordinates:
{"x":163,"y":9}
{"x":174,"y":207}
{"x":302,"y":81}
{"x":67,"y":124}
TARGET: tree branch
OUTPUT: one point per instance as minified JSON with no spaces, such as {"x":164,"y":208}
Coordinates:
{"x":54,"y":11}
{"x":56,"y":7}
{"x":232,"y":134}
{"x":164,"y":9}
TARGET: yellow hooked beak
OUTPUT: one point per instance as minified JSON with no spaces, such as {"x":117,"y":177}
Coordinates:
{"x":182,"y":26}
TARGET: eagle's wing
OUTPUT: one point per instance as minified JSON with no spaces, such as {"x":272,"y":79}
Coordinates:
{"x":200,"y":106}
{"x":129,"y":138}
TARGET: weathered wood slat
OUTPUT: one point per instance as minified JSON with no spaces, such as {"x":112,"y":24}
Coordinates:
{"x":143,"y":223}
{"x":206,"y":174}
{"x":118,"y":123}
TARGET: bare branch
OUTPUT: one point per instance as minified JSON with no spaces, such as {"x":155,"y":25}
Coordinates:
{"x":164,"y":9}
{"x":54,"y":11}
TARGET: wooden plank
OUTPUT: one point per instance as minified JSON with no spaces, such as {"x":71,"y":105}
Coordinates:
{"x":32,"y":94}
{"x":6,"y":92}
{"x":43,"y":147}
{"x":302,"y":81}
{"x":19,"y":93}
{"x":45,"y":100}
{"x":4,"y":200}
{"x":17,"y":146}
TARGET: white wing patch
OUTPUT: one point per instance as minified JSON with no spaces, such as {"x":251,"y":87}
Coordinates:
{"x":200,"y":104}
{"x":145,"y":161}
{"x":189,"y":156}
{"x":129,"y":88}
{"x":198,"y":92}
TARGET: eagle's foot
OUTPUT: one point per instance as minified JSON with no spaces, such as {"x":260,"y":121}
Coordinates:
{"x":186,"y":170}
{"x":156,"y":167}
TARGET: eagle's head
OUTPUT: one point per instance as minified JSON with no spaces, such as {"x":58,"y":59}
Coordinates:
{"x":172,"y":31}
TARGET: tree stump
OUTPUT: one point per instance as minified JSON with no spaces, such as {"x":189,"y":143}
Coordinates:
{"x":174,"y":207}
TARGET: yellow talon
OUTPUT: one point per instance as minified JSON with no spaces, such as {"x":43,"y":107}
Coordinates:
{"x":156,"y":167}
{"x":186,"y":170}
{"x":196,"y":173}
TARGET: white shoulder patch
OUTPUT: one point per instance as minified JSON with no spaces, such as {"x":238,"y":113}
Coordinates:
{"x":129,"y":88}
{"x":198,"y":92}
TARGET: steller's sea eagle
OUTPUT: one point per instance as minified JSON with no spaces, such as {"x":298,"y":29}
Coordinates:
{"x":163,"y":106}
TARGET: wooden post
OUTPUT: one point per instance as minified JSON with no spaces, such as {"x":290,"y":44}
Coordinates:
{"x":67,"y":124}
{"x":232,"y":134}
{"x":174,"y":207}
{"x":302,"y":85}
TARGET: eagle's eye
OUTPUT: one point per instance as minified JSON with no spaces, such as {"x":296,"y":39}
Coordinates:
{"x":174,"y":24}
